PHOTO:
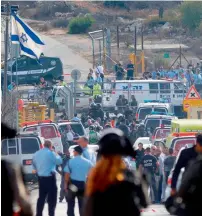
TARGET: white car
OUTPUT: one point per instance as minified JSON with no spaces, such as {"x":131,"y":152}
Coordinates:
{"x":144,"y":140}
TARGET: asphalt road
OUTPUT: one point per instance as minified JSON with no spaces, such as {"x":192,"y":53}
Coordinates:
{"x":69,"y":59}
{"x":61,"y":209}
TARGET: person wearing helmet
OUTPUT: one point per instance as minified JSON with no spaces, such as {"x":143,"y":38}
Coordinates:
{"x":110,"y":178}
{"x":93,"y":135}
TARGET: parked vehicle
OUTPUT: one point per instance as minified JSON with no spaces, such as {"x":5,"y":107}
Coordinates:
{"x":160,"y":133}
{"x":149,"y":106}
{"x":20,"y":150}
{"x":144,"y":140}
{"x":25,"y":70}
{"x":47,"y":131}
{"x":186,"y":125}
{"x":176,"y":141}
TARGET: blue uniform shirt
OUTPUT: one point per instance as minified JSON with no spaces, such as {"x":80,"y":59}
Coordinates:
{"x":45,"y":161}
{"x":76,"y":119}
{"x":78,"y":168}
{"x":171,"y":74}
{"x":89,"y":155}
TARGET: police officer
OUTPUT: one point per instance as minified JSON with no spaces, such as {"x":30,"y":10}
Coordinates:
{"x":87,"y":153}
{"x":44,"y":162}
{"x":148,"y":166}
{"x":76,"y":172}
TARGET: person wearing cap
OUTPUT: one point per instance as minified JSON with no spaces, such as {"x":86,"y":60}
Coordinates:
{"x":44,"y":162}
{"x":76,"y":172}
{"x":111,"y":188}
{"x":87,"y":153}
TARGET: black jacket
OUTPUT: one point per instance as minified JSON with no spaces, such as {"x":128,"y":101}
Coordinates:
{"x":191,"y":188}
{"x":118,"y":199}
{"x":186,"y":156}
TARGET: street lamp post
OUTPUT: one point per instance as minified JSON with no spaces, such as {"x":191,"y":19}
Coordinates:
{"x":7,"y":10}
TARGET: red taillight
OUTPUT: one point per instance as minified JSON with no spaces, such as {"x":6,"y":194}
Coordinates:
{"x":153,"y":137}
{"x":41,"y":146}
{"x":113,"y":92}
{"x":169,"y":181}
{"x":58,"y":134}
{"x":136,"y":115}
{"x":162,"y":125}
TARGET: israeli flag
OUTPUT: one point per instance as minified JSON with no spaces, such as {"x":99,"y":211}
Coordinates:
{"x":30,"y":43}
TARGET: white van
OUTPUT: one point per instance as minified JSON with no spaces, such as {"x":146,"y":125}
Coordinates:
{"x":152,"y":106}
{"x":20,"y":150}
{"x":170,"y":90}
{"x":47,"y":131}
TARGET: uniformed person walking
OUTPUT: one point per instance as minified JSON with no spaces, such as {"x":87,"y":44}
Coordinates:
{"x":44,"y":162}
{"x":87,"y":153}
{"x":76,"y":172}
{"x":148,"y":166}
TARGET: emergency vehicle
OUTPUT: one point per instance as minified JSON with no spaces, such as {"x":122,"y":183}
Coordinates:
{"x":186,"y":125}
{"x":152,"y":106}
{"x":172,"y":91}
{"x":176,"y":141}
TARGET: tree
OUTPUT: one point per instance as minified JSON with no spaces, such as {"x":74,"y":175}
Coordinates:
{"x":80,"y":25}
{"x":191,"y":14}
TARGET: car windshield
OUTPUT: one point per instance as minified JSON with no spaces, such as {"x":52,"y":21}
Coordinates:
{"x":161,"y":110}
{"x":161,"y":133}
{"x":152,"y":124}
{"x":77,"y":128}
{"x":143,"y":112}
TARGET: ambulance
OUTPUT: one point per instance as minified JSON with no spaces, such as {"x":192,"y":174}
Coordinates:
{"x":186,"y":125}
{"x":176,"y":141}
{"x":149,"y":106}
{"x":172,"y":91}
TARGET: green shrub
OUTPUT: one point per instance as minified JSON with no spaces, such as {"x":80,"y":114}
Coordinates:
{"x":155,"y":21}
{"x":79,"y":25}
{"x":160,"y":61}
{"x":191,"y":14}
{"x":60,"y":23}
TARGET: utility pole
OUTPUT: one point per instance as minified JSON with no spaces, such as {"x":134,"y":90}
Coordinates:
{"x":135,"y":52}
{"x":117,"y":39}
{"x":135,"y":41}
{"x":104,"y":47}
{"x":7,"y":10}
{"x":180,"y":56}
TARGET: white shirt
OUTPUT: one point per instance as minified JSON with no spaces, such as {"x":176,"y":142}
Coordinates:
{"x":70,"y":136}
{"x":100,"y":69}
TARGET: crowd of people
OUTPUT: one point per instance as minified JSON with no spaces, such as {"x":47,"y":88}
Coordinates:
{"x":190,"y":75}
{"x":105,"y":182}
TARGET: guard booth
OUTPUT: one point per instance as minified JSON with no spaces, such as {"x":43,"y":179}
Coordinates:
{"x":63,"y":100}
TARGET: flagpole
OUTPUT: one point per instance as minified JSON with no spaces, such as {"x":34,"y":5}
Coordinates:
{"x":6,"y":52}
